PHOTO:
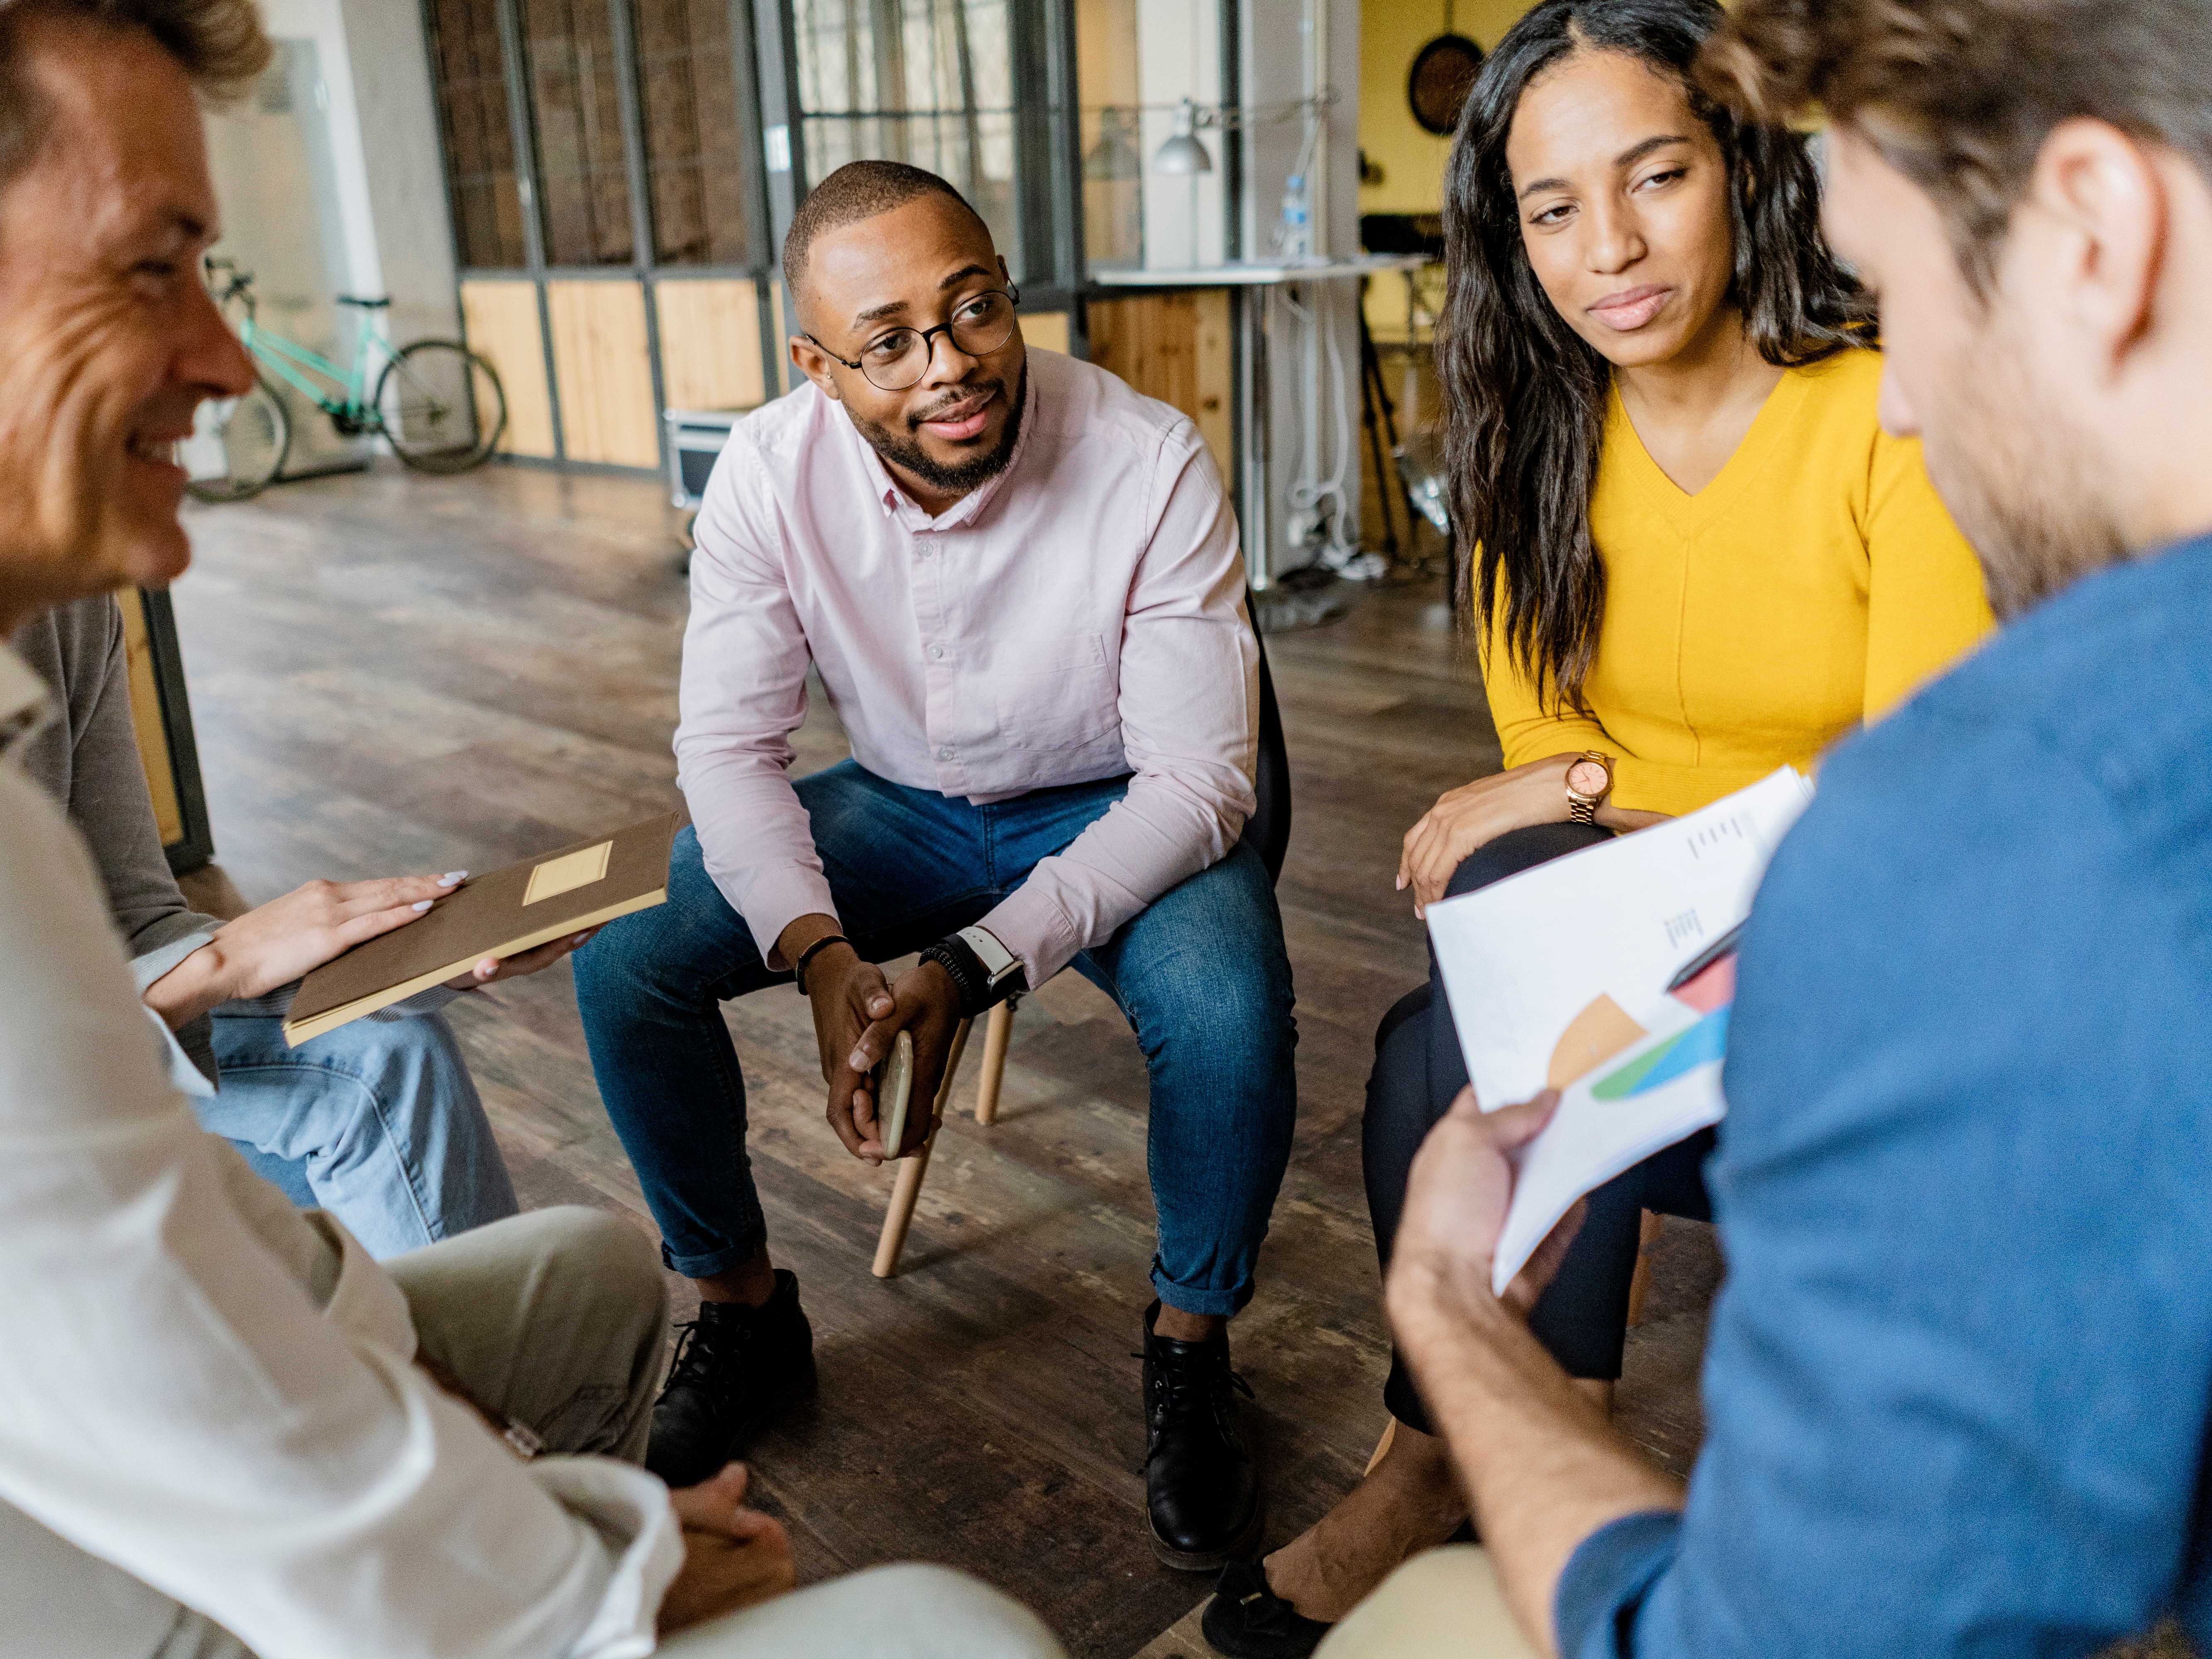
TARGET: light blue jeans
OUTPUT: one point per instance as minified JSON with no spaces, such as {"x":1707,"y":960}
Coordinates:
{"x":378,"y":1122}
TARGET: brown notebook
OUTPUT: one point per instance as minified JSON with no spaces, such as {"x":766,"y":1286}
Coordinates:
{"x":499,"y":915}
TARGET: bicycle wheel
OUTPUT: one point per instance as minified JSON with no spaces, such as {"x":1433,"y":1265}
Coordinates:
{"x":441,"y":406}
{"x":238,"y":444}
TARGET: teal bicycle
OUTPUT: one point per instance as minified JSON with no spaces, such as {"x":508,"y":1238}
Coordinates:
{"x":437,"y":403}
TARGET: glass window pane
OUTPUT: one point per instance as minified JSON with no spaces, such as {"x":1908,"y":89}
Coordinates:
{"x":689,"y":73}
{"x":1135,"y":61}
{"x":473,"y":117}
{"x":929,"y":81}
{"x":583,"y":187}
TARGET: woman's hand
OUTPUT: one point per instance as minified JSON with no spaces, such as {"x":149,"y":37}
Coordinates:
{"x":1475,"y":814}
{"x":286,"y":938}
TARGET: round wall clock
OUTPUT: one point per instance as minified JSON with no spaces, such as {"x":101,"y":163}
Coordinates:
{"x":1442,"y":71}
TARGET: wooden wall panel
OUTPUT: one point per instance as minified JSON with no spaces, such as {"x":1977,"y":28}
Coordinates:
{"x":605,"y":374}
{"x":710,"y":344}
{"x":1048,"y":329}
{"x":146,"y":718}
{"x":500,"y":320}
{"x":1174,"y":347}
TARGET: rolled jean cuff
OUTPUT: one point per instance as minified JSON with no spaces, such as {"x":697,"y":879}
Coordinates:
{"x":1206,"y":1300}
{"x":713,"y":1261}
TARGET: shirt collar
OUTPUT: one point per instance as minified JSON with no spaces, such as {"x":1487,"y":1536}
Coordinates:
{"x":902,"y":507}
{"x":26,"y":705}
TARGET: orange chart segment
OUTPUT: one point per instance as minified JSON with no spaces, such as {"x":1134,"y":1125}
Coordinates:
{"x":1592,"y":1037}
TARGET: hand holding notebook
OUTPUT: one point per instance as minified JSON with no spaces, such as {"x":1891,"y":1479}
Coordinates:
{"x":503,"y":914}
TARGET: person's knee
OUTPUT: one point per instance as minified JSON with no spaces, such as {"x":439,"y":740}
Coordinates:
{"x":623,"y":956}
{"x":972,"y":1620}
{"x":1517,"y":850}
{"x":599,"y":1266}
{"x":1443,"y":1602}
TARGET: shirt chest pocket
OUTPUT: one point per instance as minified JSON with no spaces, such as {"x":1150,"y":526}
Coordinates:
{"x":1059,"y":693}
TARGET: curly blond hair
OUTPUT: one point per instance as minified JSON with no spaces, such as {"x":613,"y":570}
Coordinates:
{"x":220,"y":43}
{"x":1959,"y":95}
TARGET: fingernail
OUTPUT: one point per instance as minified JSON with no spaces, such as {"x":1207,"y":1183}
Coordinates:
{"x":859,"y":1062}
{"x":579,"y":938}
{"x":1399,"y":884}
{"x":451,"y":876}
{"x":424,"y":905}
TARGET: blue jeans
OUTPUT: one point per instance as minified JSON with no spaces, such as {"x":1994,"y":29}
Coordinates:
{"x":379,"y":1121}
{"x":1201,"y":973}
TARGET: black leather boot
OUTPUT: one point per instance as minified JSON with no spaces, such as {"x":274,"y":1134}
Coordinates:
{"x":735,"y":1367}
{"x":1246,"y":1619}
{"x":1201,"y":1491}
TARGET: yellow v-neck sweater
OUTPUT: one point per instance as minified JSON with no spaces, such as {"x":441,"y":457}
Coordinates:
{"x":1814,"y":582}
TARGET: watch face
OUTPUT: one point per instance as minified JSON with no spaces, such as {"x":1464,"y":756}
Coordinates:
{"x":1587,"y":778}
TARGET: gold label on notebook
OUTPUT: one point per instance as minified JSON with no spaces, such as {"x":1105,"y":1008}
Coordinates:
{"x":568,"y":872}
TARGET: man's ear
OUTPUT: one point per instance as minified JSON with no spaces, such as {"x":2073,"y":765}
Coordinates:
{"x":2103,"y":195}
{"x":810,"y":360}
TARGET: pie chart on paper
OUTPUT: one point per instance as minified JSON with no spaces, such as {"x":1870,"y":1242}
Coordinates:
{"x":1656,"y":1067}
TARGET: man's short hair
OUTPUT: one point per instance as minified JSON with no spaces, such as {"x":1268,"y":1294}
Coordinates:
{"x":857,"y":191}
{"x":1958,"y":95}
{"x":219,"y":43}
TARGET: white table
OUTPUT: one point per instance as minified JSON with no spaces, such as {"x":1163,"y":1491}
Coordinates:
{"x":1251,"y":282}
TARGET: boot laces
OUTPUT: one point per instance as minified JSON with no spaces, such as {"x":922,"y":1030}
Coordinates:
{"x":701,"y":1351}
{"x":1189,"y":1390}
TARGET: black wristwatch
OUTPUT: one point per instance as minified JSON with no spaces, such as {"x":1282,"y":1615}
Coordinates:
{"x":983,"y":970}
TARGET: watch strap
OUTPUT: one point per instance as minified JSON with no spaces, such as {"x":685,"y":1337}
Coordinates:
{"x":1582,"y":808}
{"x":979,"y":987}
{"x":997,"y":961}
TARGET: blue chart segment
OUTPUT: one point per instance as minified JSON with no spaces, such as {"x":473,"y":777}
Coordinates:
{"x":1705,"y":1041}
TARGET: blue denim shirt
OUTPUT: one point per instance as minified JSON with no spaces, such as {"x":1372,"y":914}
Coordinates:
{"x":1958,"y":1381}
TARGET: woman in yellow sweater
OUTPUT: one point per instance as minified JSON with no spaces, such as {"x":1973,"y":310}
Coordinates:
{"x":1698,"y":558}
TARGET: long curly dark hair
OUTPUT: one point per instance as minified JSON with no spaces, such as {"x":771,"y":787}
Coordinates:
{"x":1525,"y":396}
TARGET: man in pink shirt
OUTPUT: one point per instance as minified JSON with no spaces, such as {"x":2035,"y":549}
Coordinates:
{"x":1019,"y":582}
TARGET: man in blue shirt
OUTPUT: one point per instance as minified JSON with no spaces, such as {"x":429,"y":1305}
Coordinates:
{"x":1959,"y":1380}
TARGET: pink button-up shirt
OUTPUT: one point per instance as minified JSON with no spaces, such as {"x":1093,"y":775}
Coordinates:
{"x":1079,"y":617}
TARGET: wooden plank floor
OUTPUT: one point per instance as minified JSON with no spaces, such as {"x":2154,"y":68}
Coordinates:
{"x":396,"y":673}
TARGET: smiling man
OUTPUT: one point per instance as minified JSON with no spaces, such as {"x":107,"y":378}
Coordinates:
{"x":1019,"y":582}
{"x":1959,"y":1387}
{"x":224,"y":1430}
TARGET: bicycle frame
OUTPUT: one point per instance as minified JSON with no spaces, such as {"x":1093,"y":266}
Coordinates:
{"x":286,"y":358}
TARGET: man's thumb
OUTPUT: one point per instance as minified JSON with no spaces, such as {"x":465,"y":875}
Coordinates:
{"x":1511,"y":1127}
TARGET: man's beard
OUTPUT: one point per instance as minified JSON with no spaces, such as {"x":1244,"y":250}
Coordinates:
{"x":2019,"y":486}
{"x":961,"y":475}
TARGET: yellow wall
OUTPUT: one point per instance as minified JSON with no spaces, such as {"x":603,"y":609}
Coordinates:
{"x":1390,"y":32}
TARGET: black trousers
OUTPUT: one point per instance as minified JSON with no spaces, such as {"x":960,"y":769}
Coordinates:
{"x":1582,"y":1316}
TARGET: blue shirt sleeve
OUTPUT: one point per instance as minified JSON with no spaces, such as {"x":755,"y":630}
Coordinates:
{"x":1605,"y":1582}
{"x":1956,"y":1383}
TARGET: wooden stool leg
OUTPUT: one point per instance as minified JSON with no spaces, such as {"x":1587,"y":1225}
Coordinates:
{"x":996,"y":1035}
{"x":1647,"y":1235}
{"x":1382,"y":1448}
{"x":904,"y":1196}
{"x":906,"y":1192}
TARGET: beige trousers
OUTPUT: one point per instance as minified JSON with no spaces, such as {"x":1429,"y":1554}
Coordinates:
{"x":1445,"y":1604}
{"x":909,"y":1611}
{"x":557,"y":1319}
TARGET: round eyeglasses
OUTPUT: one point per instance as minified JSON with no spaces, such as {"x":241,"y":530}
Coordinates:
{"x":897,"y":359}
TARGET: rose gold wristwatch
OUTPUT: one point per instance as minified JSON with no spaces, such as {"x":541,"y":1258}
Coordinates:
{"x":1590,"y":780}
